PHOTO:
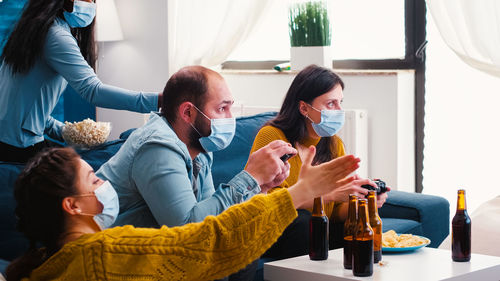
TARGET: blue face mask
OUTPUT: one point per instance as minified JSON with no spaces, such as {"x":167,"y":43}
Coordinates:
{"x":222,"y":133}
{"x":83,"y":14}
{"x":330,"y":124}
{"x":107,"y":196}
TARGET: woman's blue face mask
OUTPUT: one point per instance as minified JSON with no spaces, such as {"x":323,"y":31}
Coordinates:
{"x":83,"y":14}
{"x":331,"y":122}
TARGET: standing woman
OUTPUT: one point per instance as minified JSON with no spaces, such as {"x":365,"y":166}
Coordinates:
{"x":52,"y":46}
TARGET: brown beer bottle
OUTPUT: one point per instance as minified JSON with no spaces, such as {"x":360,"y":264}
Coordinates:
{"x":362,"y":250}
{"x":349,"y":229}
{"x":376,"y":224}
{"x":318,"y":232}
{"x":461,"y":231}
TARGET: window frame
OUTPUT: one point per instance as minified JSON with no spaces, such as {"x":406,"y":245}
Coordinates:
{"x":415,"y":43}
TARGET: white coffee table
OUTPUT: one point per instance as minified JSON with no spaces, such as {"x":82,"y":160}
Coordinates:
{"x":420,"y":265}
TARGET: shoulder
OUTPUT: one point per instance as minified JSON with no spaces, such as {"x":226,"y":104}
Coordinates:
{"x":59,"y":35}
{"x":59,"y":30}
{"x":266,"y":135}
{"x":338,"y":145}
{"x":271,"y":133}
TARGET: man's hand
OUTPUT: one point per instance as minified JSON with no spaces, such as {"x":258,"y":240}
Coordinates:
{"x":277,"y":180}
{"x":266,"y":166}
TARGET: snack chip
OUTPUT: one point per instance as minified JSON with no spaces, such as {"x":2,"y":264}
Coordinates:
{"x":391,"y":239}
{"x":86,"y":133}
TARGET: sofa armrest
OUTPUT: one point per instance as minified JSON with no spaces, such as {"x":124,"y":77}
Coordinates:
{"x":433,"y":212}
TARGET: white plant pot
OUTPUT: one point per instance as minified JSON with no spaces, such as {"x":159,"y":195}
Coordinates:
{"x":300,"y":57}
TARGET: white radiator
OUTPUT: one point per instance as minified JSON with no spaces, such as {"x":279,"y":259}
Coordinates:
{"x":354,"y":134}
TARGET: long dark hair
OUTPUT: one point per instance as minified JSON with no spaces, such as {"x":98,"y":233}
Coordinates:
{"x":312,"y":82}
{"x":39,"y":190}
{"x":26,"y":43}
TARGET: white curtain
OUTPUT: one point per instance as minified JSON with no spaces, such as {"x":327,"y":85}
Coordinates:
{"x":205,"y":32}
{"x":471,"y":28}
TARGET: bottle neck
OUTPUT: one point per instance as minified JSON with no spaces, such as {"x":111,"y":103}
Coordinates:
{"x":363,"y":213}
{"x":372,"y":205}
{"x":318,"y":207}
{"x":353,"y":208}
{"x":461,"y":205}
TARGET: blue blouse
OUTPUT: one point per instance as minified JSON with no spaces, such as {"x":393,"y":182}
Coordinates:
{"x":27,"y":100}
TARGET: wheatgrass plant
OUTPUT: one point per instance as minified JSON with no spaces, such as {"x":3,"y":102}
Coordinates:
{"x":309,"y":24}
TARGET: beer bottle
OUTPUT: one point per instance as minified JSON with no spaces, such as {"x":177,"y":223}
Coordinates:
{"x":318,"y":232}
{"x":376,"y":224}
{"x":362,"y":250}
{"x":349,"y":229}
{"x":461,"y":231}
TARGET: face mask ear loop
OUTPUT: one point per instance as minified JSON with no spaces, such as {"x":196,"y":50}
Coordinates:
{"x":201,"y":112}
{"x":195,"y":129}
{"x":79,"y":211}
{"x":307,"y":116}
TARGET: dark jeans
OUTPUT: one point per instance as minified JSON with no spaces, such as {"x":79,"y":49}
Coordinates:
{"x":9,"y":153}
{"x":295,"y":239}
{"x":245,"y":274}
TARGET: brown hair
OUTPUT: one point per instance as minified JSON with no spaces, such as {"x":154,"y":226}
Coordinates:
{"x":39,"y":190}
{"x":191,"y":84}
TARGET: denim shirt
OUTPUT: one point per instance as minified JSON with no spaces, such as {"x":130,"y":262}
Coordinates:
{"x":153,"y":176}
{"x":27,"y":99}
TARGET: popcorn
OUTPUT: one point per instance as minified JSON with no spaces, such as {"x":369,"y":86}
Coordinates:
{"x":86,"y":134}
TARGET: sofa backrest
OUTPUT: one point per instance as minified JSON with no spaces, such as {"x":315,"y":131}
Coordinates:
{"x":232,"y":160}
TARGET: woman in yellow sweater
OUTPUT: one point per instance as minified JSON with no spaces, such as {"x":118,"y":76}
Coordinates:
{"x":312,"y":114}
{"x":62,"y":205}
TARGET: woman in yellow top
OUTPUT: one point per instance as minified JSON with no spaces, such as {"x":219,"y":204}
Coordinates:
{"x":63,"y":205}
{"x":312,"y":114}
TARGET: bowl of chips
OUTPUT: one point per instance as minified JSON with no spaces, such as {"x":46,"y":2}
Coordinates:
{"x":86,"y":134}
{"x":394,"y":242}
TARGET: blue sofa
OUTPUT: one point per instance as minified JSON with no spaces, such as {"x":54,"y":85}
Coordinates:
{"x":404,"y":212}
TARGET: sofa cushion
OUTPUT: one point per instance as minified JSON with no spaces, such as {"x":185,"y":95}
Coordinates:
{"x":402,"y":226}
{"x":12,"y":242}
{"x":230,"y":161}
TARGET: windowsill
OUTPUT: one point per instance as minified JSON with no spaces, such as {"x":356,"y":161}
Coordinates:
{"x":338,"y":71}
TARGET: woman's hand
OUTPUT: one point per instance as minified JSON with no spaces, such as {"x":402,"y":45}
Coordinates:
{"x":341,"y":194}
{"x":382,"y":197}
{"x":315,"y":181}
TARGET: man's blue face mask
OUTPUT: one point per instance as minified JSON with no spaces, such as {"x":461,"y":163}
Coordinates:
{"x":83,"y":14}
{"x":330,"y":124}
{"x":222,"y":133}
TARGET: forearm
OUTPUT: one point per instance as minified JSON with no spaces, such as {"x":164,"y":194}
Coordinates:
{"x":53,"y":128}
{"x":340,"y":212}
{"x":238,"y":190}
{"x":117,"y":98}
{"x":212,"y":249}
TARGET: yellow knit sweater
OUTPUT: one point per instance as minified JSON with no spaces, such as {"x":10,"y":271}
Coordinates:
{"x":269,"y":133}
{"x":208,"y":250}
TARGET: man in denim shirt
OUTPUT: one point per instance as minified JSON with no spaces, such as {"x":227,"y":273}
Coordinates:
{"x":162,"y":173}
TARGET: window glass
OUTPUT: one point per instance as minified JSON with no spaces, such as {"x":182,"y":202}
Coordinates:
{"x":375,"y":31}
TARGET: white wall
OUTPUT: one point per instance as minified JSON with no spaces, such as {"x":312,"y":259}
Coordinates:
{"x":139,"y":62}
{"x":387,"y":97}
